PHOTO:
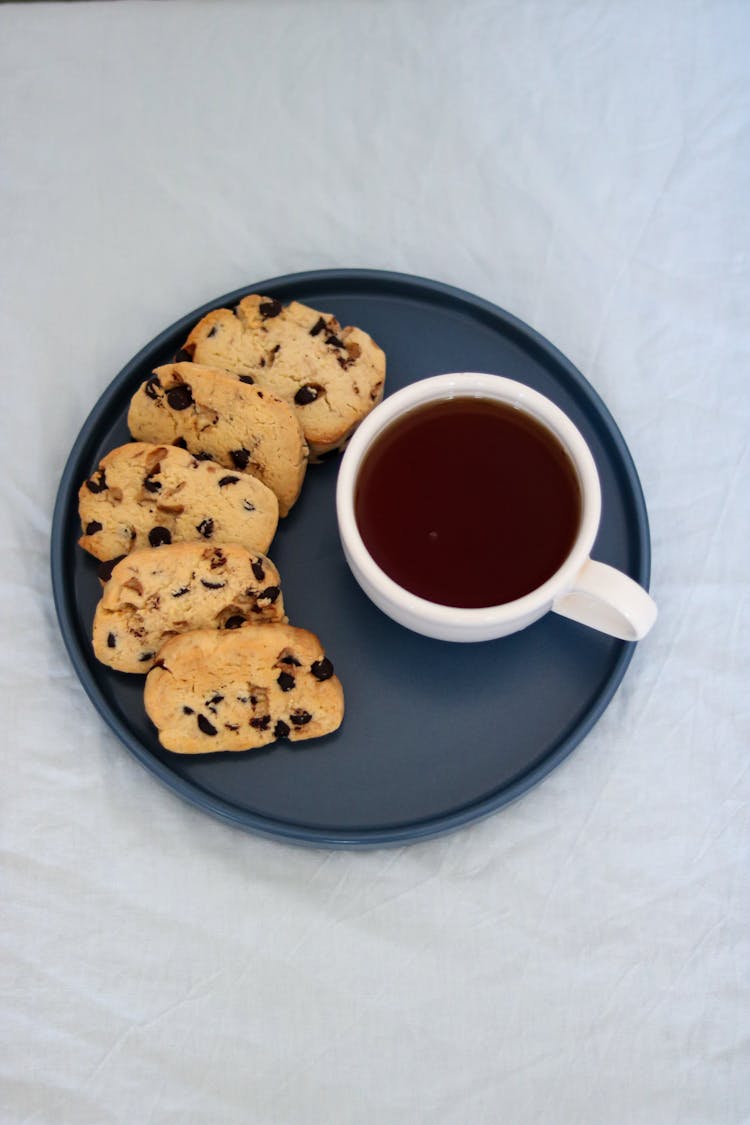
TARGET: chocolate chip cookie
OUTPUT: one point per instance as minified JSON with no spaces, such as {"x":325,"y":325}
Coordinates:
{"x":332,"y":376}
{"x":215,"y":415}
{"x":158,"y":592}
{"x":142,"y":495}
{"x":213,"y":691}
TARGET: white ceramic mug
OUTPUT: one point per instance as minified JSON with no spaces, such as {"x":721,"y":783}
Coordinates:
{"x":589,"y":592}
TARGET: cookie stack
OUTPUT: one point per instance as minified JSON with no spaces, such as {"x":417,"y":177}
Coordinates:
{"x":182,"y":519}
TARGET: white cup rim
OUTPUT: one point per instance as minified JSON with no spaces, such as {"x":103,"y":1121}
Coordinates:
{"x":459,"y":385}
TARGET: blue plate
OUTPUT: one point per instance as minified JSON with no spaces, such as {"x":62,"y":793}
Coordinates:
{"x":436,"y":735}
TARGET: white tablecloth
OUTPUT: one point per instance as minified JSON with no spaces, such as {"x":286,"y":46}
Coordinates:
{"x":582,"y":956}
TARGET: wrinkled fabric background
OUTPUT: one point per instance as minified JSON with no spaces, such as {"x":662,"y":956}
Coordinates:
{"x":581,"y":957}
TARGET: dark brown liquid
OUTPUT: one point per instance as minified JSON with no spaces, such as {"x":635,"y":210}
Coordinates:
{"x":468,"y":502}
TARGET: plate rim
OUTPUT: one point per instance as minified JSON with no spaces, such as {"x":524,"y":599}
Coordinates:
{"x":287,"y":831}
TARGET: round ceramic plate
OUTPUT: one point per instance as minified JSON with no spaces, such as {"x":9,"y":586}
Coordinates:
{"x":436,"y":735}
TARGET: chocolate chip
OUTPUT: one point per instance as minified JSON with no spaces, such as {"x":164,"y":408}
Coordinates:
{"x":248,"y":506}
{"x":246,"y":379}
{"x":290,"y":659}
{"x":334,"y":341}
{"x":285,"y":681}
{"x":234,"y":622}
{"x":151,"y":385}
{"x":322,"y":669}
{"x":318,"y":326}
{"x":261,"y":723}
{"x":97,"y":484}
{"x":188,"y":710}
{"x":203,"y":457}
{"x":240,"y":457}
{"x":300,"y":717}
{"x":180,"y":443}
{"x":227,"y":480}
{"x":270,"y":594}
{"x":270,"y":308}
{"x":281,"y":730}
{"x":212,"y":585}
{"x":150,"y":484}
{"x":104,"y":570}
{"x":258,"y":570}
{"x":159,"y":536}
{"x":111,"y":640}
{"x":179,"y":593}
{"x":93,"y":527}
{"x":345,"y":363}
{"x":213,"y":331}
{"x":205,"y":726}
{"x":307,"y":394}
{"x":146,"y":656}
{"x":214,"y":700}
{"x":205,"y":528}
{"x":232,"y":726}
{"x":180,"y":397}
{"x":217,"y":559}
{"x":182,"y":356}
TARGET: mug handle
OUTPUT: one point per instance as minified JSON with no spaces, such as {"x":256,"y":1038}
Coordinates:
{"x":607,"y":600}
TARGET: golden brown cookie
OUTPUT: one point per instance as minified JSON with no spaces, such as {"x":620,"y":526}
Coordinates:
{"x":162,"y":591}
{"x":143,"y":495}
{"x":333,"y":376}
{"x":212,"y":413}
{"x":237,"y":691}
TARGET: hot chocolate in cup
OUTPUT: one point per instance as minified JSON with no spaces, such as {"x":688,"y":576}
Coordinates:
{"x":468,"y":506}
